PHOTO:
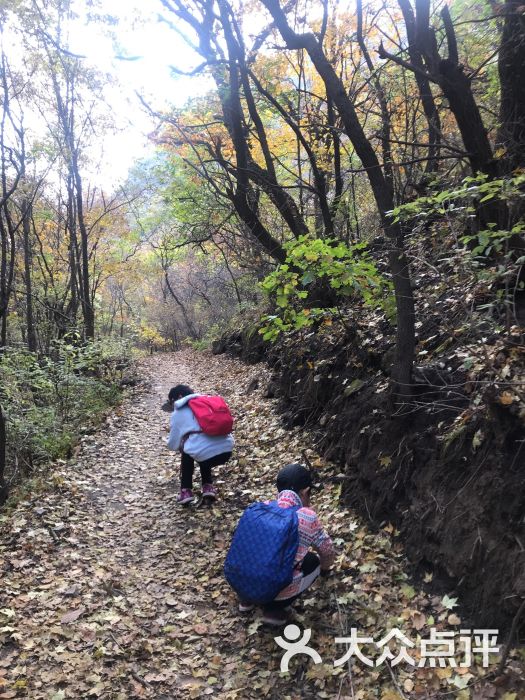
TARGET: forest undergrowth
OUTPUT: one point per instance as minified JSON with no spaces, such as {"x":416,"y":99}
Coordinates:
{"x":49,"y":401}
{"x":112,"y":591}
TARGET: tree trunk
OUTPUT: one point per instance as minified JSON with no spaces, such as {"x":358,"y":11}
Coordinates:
{"x":233,"y":119}
{"x":457,"y":88}
{"x":86,"y":302}
{"x":7,"y":266}
{"x":267,"y":179}
{"x":381,"y":98}
{"x":448,"y":73}
{"x":3,"y":484}
{"x":4,"y":296}
{"x":66,"y":115}
{"x":71,"y":228}
{"x":328,"y":214}
{"x":187,"y":319}
{"x":28,"y":274}
{"x":511,"y":65}
{"x":423,"y":84}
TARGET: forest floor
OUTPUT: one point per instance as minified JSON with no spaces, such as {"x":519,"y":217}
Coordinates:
{"x":109,"y":590}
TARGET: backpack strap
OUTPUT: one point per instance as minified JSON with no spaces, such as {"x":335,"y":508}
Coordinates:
{"x":185,"y":437}
{"x":190,"y":432}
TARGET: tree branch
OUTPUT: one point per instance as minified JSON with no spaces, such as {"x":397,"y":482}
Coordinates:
{"x":384,"y":54}
{"x":452,"y":43}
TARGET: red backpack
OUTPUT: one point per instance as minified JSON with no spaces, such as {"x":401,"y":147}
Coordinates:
{"x":212,"y":414}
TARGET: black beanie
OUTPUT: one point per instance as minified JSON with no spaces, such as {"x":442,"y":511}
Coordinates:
{"x":294,"y":477}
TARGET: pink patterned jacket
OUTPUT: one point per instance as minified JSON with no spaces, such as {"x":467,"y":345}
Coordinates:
{"x":311,"y":536}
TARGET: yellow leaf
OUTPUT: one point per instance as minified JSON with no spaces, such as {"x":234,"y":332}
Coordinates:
{"x":506,"y":398}
{"x":463,"y":695}
{"x":462,"y":671}
{"x":320,"y":671}
{"x":443,"y":672}
{"x":408,"y":591}
{"x":390,"y":695}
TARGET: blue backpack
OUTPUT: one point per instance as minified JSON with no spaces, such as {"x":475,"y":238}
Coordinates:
{"x":260,"y":561}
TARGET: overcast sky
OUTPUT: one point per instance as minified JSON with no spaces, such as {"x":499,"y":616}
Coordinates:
{"x":152,"y":47}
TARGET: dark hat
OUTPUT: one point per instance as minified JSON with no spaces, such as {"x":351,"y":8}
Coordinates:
{"x":178,"y":391}
{"x":175,"y":393}
{"x":294,"y":477}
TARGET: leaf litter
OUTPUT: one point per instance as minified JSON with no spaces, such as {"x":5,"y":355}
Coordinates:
{"x":112,"y":591}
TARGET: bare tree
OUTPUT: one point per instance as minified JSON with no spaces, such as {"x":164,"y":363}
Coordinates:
{"x":12,"y":169}
{"x":381,"y":188}
{"x":430,"y":67}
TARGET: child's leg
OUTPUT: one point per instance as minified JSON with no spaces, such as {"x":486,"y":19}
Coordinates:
{"x":310,"y":570}
{"x":206,"y":472}
{"x":207,"y":465}
{"x":187,"y":465}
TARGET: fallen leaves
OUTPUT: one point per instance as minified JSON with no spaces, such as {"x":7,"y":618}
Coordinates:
{"x":449,"y":603}
{"x":71,"y":616}
{"x":128,"y":600}
{"x":418,"y":620}
{"x":506,"y":398}
{"x":453,"y":619}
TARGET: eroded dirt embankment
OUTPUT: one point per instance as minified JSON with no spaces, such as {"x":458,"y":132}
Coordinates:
{"x":447,"y":467}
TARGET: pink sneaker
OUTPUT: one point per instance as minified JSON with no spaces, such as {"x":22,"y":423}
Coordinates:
{"x":185,"y":496}
{"x":208,"y":491}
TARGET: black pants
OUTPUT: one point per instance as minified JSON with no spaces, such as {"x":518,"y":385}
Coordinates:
{"x":309,"y":564}
{"x":187,"y":465}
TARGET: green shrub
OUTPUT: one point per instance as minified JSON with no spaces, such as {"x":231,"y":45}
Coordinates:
{"x":212,"y":333}
{"x":464,"y":199}
{"x":347,"y":270}
{"x":485,"y":250}
{"x":48,"y":402}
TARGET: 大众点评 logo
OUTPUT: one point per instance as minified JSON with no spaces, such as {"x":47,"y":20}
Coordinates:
{"x":439,"y":649}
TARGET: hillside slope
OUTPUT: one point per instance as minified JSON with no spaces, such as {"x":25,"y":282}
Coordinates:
{"x":448,"y":466}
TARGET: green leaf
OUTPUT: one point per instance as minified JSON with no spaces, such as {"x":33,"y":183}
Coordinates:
{"x":449,"y":603}
{"x":409,"y":591}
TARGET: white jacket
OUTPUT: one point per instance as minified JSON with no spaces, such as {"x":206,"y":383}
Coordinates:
{"x":197,"y":445}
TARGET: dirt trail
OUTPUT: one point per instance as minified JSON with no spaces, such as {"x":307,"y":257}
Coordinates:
{"x":109,"y":590}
